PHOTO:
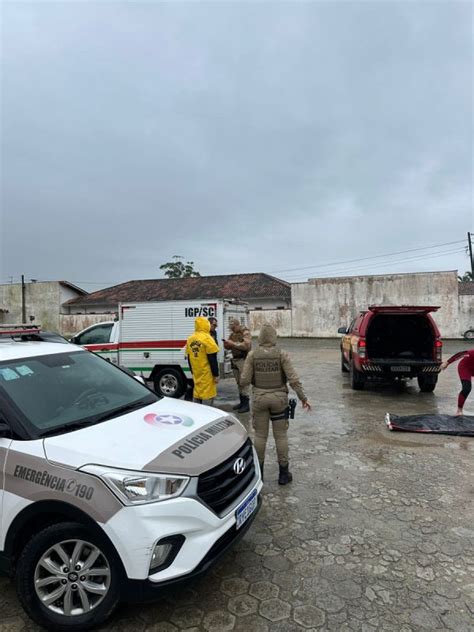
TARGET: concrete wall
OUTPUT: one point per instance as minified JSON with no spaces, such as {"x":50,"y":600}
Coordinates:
{"x":278,"y":318}
{"x":267,"y":303}
{"x":466,"y":313}
{"x":90,"y":309}
{"x":74,"y":323}
{"x":320,"y":306}
{"x":42,"y":301}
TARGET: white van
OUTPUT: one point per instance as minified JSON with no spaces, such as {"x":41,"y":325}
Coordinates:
{"x":105,"y":490}
{"x":149,"y":339}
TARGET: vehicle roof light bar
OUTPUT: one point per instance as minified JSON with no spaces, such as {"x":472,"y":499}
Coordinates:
{"x":19,"y":330}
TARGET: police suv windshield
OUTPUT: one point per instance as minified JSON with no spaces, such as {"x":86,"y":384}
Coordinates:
{"x":55,"y":393}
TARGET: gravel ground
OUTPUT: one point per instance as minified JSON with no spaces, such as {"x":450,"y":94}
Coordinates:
{"x":376,"y":532}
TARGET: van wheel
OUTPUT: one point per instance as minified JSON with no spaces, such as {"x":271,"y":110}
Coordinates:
{"x":427,"y":383}
{"x":68,"y":578}
{"x":169,"y":383}
{"x":344,"y":368}
{"x":357,"y":379}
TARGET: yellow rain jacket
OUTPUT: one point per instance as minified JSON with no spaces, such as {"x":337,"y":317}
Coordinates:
{"x":199,"y":345}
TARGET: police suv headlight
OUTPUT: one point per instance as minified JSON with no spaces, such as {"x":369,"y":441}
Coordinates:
{"x":139,"y":488}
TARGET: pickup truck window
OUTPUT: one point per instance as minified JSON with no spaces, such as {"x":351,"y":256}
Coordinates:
{"x":100,"y":334}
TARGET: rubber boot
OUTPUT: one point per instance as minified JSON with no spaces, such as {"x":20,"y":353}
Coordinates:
{"x":261,"y":469}
{"x":239,"y":405}
{"x":244,"y":408}
{"x":285,"y":475}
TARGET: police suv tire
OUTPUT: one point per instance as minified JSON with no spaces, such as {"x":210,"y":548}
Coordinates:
{"x":357,"y":380}
{"x":427,"y":383}
{"x":36,"y":547}
{"x":170,"y":383}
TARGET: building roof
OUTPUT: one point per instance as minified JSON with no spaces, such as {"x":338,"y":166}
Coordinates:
{"x":466,"y":287}
{"x":71,"y":286}
{"x":230,"y":286}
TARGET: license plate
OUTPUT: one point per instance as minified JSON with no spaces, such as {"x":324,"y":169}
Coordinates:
{"x":246,"y":509}
{"x":401,"y":369}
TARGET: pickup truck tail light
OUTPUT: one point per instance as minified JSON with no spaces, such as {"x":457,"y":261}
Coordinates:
{"x":362,"y":348}
{"x":438,"y":350}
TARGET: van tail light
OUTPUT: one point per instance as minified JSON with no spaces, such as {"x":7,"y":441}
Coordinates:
{"x":439,"y":350}
{"x":362,"y":348}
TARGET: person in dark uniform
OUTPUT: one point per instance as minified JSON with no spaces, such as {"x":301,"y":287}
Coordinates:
{"x":239,"y":343}
{"x":213,"y":331}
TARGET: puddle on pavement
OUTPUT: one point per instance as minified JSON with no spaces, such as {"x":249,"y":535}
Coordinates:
{"x":437,"y":441}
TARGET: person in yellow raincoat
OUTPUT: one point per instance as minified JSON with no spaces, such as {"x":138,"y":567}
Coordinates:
{"x":201,"y":351}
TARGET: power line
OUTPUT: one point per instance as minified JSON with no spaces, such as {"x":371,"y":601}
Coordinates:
{"x":393,"y":262}
{"x":389,"y":254}
{"x":371,"y":265}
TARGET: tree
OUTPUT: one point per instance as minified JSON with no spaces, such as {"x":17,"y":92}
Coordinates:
{"x":467,"y":276}
{"x":177,"y":269}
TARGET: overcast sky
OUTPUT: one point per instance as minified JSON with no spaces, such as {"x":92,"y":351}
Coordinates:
{"x":244,"y":136}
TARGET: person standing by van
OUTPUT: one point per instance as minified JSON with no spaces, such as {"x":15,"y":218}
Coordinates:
{"x":213,"y":332}
{"x":239,"y":343}
{"x":465,"y":372}
{"x":201,"y":351}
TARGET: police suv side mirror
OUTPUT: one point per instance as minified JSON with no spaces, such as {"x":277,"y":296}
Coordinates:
{"x":5,"y":430}
{"x":342,"y":330}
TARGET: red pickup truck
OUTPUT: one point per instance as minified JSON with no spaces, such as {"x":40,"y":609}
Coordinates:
{"x":392,"y":342}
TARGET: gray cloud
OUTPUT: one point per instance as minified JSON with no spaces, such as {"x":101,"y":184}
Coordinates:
{"x":245,"y":136}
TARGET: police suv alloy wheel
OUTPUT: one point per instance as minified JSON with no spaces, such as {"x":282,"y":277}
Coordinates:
{"x":169,"y":383}
{"x":67,"y":578}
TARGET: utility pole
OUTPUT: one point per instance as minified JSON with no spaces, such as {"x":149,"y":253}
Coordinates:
{"x":469,"y":238}
{"x":23,"y":304}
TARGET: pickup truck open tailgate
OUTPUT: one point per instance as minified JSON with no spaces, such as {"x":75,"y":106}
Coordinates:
{"x":403,"y":309}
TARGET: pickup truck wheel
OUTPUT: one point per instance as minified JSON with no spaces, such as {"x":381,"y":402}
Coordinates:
{"x":357,"y":379}
{"x":427,"y":383}
{"x":169,"y":383}
{"x":344,"y":368}
{"x":68,"y":578}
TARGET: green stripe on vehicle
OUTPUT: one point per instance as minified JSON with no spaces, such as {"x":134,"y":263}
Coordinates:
{"x":148,"y":368}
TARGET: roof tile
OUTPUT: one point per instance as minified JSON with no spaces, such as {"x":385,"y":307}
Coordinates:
{"x":230,"y":286}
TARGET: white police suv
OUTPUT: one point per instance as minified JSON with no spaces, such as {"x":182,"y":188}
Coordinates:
{"x":105,"y":490}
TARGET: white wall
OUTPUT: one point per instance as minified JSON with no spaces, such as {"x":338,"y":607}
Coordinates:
{"x":73,"y":323}
{"x":320,"y":306}
{"x":89,"y":309}
{"x":278,"y":318}
{"x":466,"y":313}
{"x":268,"y":303}
{"x":42,"y":300}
